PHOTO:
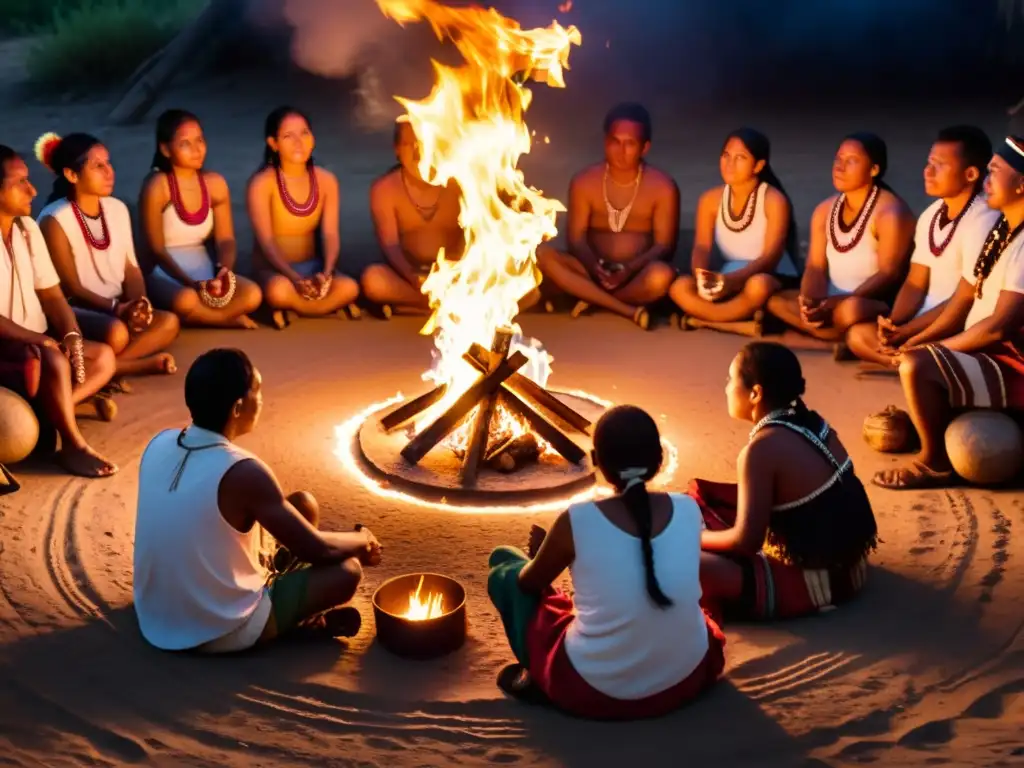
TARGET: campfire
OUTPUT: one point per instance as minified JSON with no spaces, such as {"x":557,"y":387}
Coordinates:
{"x":420,"y":627}
{"x":489,"y":409}
{"x":490,"y":434}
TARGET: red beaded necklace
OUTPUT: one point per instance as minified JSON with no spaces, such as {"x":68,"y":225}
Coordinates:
{"x":859,"y":225}
{"x":196,"y":217}
{"x":98,"y":244}
{"x":295,"y":209}
{"x":941,"y":220}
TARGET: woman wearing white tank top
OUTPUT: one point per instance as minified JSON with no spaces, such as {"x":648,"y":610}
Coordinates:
{"x":634,"y":641}
{"x":183,"y":208}
{"x":88,"y":233}
{"x":745,"y":242}
{"x":950,"y":233}
{"x":860,"y":244}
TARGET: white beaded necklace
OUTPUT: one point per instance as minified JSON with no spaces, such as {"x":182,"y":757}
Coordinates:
{"x":617,"y":218}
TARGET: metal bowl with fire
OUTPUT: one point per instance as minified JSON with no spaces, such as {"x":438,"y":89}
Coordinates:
{"x":420,"y":615}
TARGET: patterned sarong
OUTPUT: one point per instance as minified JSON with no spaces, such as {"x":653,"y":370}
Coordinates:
{"x":773,"y":588}
{"x":990,"y":378}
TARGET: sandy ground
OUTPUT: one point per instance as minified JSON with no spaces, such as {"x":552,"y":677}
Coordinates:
{"x":925,"y":669}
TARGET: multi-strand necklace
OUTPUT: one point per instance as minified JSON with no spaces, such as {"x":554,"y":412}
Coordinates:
{"x":858,"y":227}
{"x":299,"y":209}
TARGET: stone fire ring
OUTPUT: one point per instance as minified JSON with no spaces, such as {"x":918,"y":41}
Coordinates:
{"x":437,"y":476}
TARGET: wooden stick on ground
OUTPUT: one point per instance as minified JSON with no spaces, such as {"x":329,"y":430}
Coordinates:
{"x":480,"y":358}
{"x":420,"y":445}
{"x":540,"y":424}
{"x":481,"y":424}
{"x":412,"y":408}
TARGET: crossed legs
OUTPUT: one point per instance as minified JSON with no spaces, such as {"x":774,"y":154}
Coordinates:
{"x":136,"y":355}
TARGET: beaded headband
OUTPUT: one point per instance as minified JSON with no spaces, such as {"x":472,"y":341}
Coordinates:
{"x":1013,"y":153}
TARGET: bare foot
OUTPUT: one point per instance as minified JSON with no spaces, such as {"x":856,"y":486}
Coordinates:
{"x":280,"y":319}
{"x":247,"y":323}
{"x":85,"y":462}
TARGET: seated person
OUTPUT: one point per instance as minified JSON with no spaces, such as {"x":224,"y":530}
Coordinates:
{"x":413,"y":220}
{"x":633,"y":641}
{"x":972,"y":356}
{"x":622,"y":225}
{"x":792,"y":538}
{"x":860,"y":242}
{"x":54,"y":376}
{"x":949,"y":232}
{"x":294,"y":207}
{"x":745,"y":239}
{"x":89,"y":236}
{"x":186,"y":213}
{"x":200,"y":579}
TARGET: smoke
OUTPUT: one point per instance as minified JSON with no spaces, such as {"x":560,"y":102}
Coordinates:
{"x":661,"y":50}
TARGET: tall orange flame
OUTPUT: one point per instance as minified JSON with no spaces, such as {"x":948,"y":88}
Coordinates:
{"x":471,"y":130}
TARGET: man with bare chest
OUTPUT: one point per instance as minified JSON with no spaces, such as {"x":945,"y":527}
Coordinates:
{"x":623,"y":224}
{"x":414,"y":221}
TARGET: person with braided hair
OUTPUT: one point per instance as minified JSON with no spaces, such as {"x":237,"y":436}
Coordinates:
{"x":793,"y":536}
{"x":633,"y":641}
{"x":972,"y":356}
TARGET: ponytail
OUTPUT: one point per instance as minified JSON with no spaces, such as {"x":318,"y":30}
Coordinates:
{"x":62,"y":189}
{"x":161,"y":163}
{"x":638,"y":503}
{"x":769,"y":177}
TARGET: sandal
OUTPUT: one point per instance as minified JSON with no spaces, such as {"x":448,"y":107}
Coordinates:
{"x":516,"y":682}
{"x":915,"y":477}
{"x":642,"y":318}
{"x":683,"y":321}
{"x":337,"y":622}
{"x":354,"y":312}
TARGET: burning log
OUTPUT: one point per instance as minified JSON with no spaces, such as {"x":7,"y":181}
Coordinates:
{"x":482,"y":423}
{"x":547,"y":431}
{"x":420,"y":445}
{"x":480,"y":359}
{"x":514,"y":453}
{"x":413,"y":408}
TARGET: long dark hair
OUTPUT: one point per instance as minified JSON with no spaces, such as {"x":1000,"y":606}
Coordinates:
{"x":272,"y":126}
{"x":878,"y":153}
{"x":167,"y":126}
{"x":627,"y":447}
{"x":70,"y":154}
{"x":777,"y":370}
{"x":760,"y":148}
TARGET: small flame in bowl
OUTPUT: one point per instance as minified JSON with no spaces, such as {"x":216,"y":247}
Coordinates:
{"x":429,"y":608}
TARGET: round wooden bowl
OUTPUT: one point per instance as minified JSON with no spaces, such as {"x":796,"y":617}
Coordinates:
{"x":420,"y":639}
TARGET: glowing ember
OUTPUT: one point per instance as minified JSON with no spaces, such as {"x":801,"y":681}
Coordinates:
{"x":471,"y":130}
{"x":421,"y":610}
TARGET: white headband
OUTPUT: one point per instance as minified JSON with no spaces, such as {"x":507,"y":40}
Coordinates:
{"x":632,"y":476}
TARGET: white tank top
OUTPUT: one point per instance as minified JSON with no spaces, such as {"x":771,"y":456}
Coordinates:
{"x":186,"y":243}
{"x":99,"y":271}
{"x":849,"y":270}
{"x":196,"y":578}
{"x":621,"y":642}
{"x":738,"y":248}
